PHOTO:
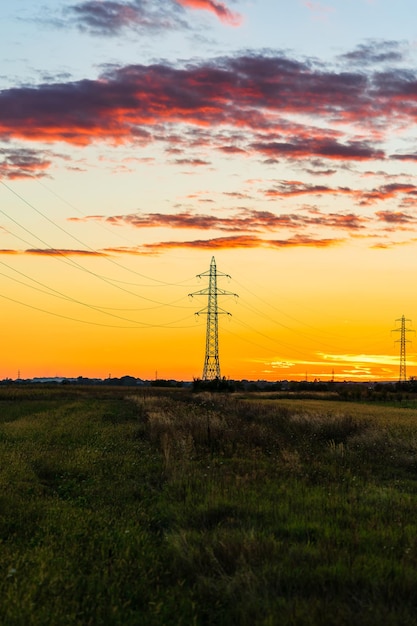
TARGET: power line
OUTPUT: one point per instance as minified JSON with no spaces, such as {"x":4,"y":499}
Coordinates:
{"x":59,"y":254}
{"x":58,"y":294}
{"x":321,"y":343}
{"x":127,"y":269}
{"x":73,"y":319}
{"x":279,"y":311}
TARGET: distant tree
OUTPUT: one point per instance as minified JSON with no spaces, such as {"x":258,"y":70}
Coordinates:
{"x":217,"y":384}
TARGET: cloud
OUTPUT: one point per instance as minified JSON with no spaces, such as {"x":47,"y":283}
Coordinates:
{"x":193,"y":162}
{"x":23,"y":163}
{"x":218,"y":8}
{"x":216,"y":243}
{"x":330,"y":149}
{"x":179,"y":220}
{"x":304,"y":241}
{"x":404,"y":157}
{"x":317,"y":171}
{"x":395,"y":217}
{"x":245,"y":220}
{"x":112,"y":17}
{"x":386,"y":245}
{"x":232,"y":150}
{"x":290,"y":189}
{"x":374,"y":52}
{"x":243,"y":241}
{"x":344,"y":221}
{"x":237,"y":105}
{"x":305,"y":224}
{"x":63,"y":252}
{"x":386,"y":192}
{"x":52,"y":252}
{"x":108,"y":18}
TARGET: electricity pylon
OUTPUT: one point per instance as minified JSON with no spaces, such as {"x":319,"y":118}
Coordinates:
{"x":403,"y":341}
{"x":211,"y":369}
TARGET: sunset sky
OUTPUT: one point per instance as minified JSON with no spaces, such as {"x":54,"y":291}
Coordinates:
{"x":138,"y":139}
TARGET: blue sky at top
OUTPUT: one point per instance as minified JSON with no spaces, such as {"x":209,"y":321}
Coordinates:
{"x":40,"y":40}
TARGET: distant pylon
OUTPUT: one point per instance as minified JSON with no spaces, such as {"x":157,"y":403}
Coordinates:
{"x":211,"y":369}
{"x":403,"y":341}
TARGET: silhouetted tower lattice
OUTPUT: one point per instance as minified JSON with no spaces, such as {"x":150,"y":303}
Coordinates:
{"x":211,"y":369}
{"x":403,"y":330}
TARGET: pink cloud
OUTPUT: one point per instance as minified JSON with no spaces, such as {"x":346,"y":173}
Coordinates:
{"x":214,"y":6}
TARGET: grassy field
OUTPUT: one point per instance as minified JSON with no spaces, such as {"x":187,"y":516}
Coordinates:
{"x":164,"y":507}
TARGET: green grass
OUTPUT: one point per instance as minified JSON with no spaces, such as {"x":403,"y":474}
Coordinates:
{"x":122,"y":507}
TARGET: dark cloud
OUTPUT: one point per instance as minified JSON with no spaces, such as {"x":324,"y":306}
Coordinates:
{"x":184,"y":220}
{"x":320,"y":172}
{"x":23,"y":163}
{"x":63,"y":252}
{"x":194,"y":162}
{"x":330,"y":149}
{"x":386,"y":192}
{"x":244,"y":220}
{"x":405,"y":157}
{"x":237,"y":195}
{"x":395,"y":217}
{"x":253,"y":98}
{"x":110,"y":18}
{"x":344,"y":221}
{"x":232,"y":150}
{"x":290,"y":188}
{"x":372,"y":52}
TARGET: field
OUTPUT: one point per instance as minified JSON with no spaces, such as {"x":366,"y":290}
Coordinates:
{"x":165,"y":507}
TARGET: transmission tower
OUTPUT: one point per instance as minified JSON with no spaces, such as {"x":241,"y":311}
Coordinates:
{"x":403,"y":341}
{"x":211,"y":369}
